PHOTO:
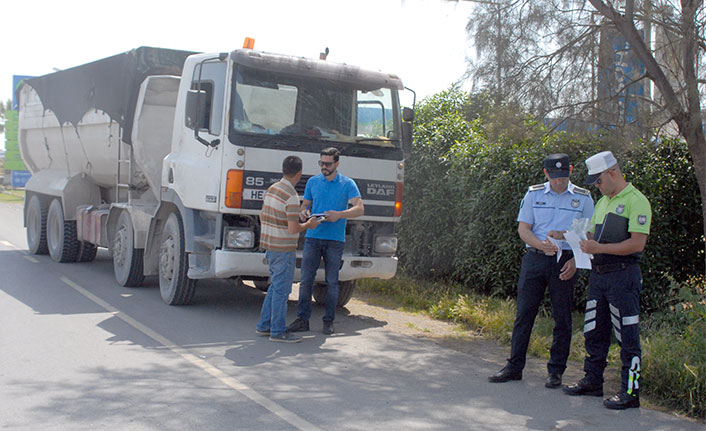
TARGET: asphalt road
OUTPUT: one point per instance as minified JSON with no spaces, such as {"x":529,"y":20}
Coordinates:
{"x":79,"y":352}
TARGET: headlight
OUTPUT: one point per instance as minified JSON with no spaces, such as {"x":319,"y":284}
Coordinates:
{"x":385,"y":244}
{"x":239,"y":238}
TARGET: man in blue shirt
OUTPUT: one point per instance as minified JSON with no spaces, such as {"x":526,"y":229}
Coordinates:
{"x":327,"y":193}
{"x":547,"y":210}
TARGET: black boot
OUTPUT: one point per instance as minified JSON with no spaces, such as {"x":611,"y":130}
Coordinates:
{"x":553,"y":381}
{"x":622,"y":401}
{"x":584,"y":388}
{"x":505,"y":375}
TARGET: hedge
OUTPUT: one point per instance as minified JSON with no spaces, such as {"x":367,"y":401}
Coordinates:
{"x":465,"y":181}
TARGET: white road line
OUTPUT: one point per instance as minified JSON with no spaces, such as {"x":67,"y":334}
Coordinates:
{"x":13,"y":246}
{"x":286,"y":415}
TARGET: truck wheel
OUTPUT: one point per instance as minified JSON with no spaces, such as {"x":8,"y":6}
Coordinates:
{"x":36,"y":226}
{"x":61,"y":234}
{"x":345,"y":292}
{"x":174,"y":285}
{"x":127,"y":260}
{"x":86,"y":252}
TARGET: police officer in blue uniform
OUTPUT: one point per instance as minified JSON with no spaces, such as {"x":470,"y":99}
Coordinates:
{"x":547,"y":210}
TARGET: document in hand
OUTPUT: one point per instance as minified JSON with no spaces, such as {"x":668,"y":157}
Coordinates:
{"x":557,"y":243}
{"x":583,"y":260}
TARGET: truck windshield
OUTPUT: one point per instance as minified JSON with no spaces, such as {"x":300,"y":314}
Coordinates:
{"x":274,"y":104}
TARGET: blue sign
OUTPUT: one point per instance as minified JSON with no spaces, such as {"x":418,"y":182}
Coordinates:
{"x":16,"y":79}
{"x":20,"y":178}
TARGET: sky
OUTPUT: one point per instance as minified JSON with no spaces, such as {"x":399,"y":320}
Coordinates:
{"x":424,"y":42}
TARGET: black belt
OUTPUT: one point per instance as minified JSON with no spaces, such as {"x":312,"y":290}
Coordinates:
{"x":538,"y":251}
{"x":612,"y":267}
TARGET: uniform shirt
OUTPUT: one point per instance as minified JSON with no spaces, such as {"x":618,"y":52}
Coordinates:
{"x":328,"y":195}
{"x":280,"y":205}
{"x":629,"y":204}
{"x":546,"y":210}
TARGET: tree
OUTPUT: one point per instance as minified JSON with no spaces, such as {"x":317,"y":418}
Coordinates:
{"x":4,"y":107}
{"x":560,"y":71}
{"x":680,"y":98}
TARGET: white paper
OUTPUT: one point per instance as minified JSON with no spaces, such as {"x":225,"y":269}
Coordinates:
{"x":583,"y":260}
{"x":557,"y":243}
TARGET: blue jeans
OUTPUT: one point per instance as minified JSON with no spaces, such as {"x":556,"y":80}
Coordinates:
{"x":314,"y":250}
{"x":274,"y":310}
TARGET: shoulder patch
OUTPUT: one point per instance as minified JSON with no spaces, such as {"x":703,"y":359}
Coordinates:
{"x":536,"y":187}
{"x":581,"y":191}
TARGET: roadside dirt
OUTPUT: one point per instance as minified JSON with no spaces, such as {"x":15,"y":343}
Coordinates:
{"x":455,"y":336}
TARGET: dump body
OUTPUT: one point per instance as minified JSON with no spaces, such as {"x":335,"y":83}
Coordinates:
{"x":72,"y":121}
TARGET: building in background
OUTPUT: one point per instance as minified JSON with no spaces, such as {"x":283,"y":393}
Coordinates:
{"x":621,"y":93}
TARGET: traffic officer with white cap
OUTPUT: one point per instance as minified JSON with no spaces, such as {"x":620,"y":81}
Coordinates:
{"x":621,"y":224}
{"x":547,"y":209}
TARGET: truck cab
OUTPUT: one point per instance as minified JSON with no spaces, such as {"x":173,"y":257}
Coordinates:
{"x":242,"y":115}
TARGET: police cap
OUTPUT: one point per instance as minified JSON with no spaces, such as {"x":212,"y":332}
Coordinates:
{"x":557,"y":165}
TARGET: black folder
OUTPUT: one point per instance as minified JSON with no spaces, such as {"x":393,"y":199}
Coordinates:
{"x":614,"y":229}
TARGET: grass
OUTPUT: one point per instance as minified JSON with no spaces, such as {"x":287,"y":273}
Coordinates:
{"x":12,"y":195}
{"x":673,"y":342}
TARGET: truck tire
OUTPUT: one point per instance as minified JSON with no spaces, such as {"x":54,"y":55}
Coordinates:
{"x":61,"y":234}
{"x":127,"y":260}
{"x":86,"y":252}
{"x":37,"y":226}
{"x":345,"y":292}
{"x":174,"y":285}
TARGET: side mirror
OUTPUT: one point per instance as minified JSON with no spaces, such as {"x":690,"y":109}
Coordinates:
{"x":196,"y":109}
{"x":407,"y":114}
{"x":407,"y":118}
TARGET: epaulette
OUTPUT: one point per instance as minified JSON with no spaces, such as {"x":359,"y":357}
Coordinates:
{"x":581,"y":191}
{"x":536,"y":187}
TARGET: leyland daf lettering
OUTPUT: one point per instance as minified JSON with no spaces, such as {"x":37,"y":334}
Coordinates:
{"x":174,"y":151}
{"x":381,"y":190}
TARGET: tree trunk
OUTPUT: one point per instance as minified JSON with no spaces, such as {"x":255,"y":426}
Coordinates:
{"x":692,"y":129}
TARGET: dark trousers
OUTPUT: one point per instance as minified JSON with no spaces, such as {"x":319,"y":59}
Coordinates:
{"x":614,"y":302}
{"x":539,"y":272}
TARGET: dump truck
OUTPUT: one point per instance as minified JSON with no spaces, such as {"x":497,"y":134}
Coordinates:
{"x":163,"y":157}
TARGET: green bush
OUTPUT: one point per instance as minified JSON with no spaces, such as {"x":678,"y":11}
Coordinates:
{"x":466,"y":178}
{"x":664,"y":173}
{"x":674,"y":351}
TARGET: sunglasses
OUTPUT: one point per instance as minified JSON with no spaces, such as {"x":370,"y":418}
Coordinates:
{"x":599,"y":180}
{"x":326,"y":164}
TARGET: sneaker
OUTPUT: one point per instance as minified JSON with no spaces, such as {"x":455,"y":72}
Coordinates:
{"x":328,"y":328}
{"x":622,"y":401}
{"x":583,"y":387}
{"x":285,"y":337}
{"x":262,"y":333}
{"x":299,"y":325}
